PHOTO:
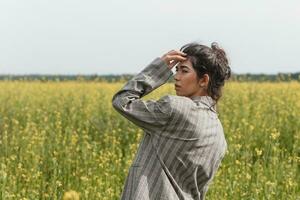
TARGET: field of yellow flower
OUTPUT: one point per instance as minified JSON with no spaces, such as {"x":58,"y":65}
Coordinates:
{"x":60,"y":137}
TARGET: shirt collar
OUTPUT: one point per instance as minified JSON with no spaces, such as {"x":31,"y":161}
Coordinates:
{"x":206,"y":100}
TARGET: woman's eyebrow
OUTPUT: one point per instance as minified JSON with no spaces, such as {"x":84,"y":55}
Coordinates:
{"x":182,"y":66}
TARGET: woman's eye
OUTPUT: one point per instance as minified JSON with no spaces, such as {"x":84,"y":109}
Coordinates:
{"x":182,"y":71}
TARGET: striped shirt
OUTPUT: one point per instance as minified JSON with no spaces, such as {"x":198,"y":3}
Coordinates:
{"x":183,"y":141}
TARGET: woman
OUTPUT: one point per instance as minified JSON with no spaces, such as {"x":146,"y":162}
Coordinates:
{"x":184,"y":142}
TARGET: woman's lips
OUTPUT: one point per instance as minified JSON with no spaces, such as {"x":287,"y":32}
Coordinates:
{"x":177,"y":86}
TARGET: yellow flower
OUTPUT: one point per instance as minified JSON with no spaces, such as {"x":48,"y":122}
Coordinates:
{"x":58,"y":183}
{"x":290,"y":182}
{"x":71,"y":195}
{"x":275,"y":134}
{"x":258,"y":151}
{"x":248,"y":176}
{"x":237,"y":162}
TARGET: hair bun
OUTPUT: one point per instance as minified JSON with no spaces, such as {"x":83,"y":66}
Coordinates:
{"x":219,"y":52}
{"x":222,"y":58}
{"x":214,"y":46}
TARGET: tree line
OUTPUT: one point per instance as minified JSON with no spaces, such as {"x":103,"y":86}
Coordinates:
{"x":125,"y":77}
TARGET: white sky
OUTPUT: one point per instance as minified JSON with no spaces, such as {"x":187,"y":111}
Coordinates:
{"x":115,"y":37}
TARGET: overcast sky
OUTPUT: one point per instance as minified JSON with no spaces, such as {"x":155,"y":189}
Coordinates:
{"x":116,"y":37}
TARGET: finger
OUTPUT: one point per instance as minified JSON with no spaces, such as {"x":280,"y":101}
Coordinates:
{"x":170,"y":52}
{"x":176,"y":58}
{"x":175,"y":52}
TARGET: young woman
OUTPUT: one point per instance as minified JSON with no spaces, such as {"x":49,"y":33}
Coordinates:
{"x":183,"y":142}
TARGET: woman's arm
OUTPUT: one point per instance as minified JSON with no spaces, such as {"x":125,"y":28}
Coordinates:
{"x":149,"y":115}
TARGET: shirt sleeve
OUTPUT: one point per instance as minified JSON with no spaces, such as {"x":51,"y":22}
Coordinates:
{"x":150,"y":114}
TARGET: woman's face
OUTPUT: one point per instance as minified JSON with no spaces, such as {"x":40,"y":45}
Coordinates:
{"x":186,"y":82}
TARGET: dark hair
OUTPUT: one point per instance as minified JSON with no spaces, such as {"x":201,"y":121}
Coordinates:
{"x":212,"y":61}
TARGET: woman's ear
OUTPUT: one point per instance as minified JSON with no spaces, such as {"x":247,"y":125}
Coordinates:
{"x":203,"y":82}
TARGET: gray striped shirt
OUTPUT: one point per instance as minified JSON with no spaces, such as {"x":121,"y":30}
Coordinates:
{"x":183,"y":142}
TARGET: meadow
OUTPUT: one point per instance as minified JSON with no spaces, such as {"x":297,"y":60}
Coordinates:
{"x":61,"y":136}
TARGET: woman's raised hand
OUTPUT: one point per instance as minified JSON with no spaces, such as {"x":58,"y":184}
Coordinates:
{"x":173,"y":57}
